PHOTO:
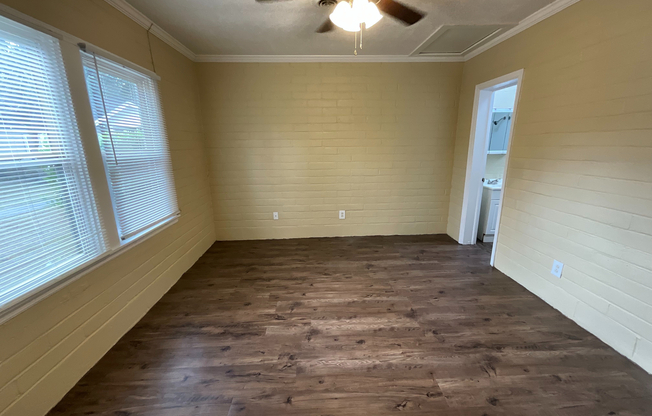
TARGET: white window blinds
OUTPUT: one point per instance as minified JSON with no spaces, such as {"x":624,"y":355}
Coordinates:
{"x":48,"y":218}
{"x":132,"y":137}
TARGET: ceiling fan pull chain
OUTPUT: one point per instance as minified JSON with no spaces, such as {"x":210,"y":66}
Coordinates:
{"x":355,"y":43}
{"x":361,"y":30}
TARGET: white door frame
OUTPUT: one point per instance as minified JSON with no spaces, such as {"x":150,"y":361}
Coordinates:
{"x":477,"y":157}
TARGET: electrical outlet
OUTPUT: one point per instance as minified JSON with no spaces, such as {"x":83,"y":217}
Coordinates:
{"x":276,"y":215}
{"x":557,"y":268}
{"x":342,"y":214}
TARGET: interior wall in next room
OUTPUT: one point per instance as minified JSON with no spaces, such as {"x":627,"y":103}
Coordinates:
{"x":47,"y":348}
{"x":579,"y":180}
{"x":309,"y":139}
{"x":495,"y":168}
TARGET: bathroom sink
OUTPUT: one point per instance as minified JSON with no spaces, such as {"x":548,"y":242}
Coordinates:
{"x":494,"y":184}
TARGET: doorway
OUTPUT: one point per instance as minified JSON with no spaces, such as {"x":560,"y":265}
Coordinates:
{"x":494,"y":116}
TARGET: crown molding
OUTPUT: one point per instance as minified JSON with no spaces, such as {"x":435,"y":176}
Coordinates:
{"x":325,"y":58}
{"x":144,"y":21}
{"x":536,"y":17}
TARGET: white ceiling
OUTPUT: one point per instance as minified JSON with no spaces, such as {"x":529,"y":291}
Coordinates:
{"x":287,"y":27}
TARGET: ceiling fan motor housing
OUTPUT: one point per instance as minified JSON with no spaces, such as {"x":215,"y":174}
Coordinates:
{"x":327,"y":3}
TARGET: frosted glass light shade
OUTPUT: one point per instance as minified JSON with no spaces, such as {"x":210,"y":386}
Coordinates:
{"x":372,"y":15}
{"x":343,"y":17}
{"x":359,"y":10}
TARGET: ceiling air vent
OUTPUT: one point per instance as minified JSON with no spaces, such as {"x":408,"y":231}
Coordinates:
{"x":458,"y":40}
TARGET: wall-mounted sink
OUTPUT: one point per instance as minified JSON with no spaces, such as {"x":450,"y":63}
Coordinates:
{"x":493,"y":184}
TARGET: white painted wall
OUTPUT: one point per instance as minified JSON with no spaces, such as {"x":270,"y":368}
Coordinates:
{"x":504,"y":99}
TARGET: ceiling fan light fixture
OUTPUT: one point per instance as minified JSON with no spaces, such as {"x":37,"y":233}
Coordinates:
{"x":359,"y":10}
{"x":350,"y":16}
{"x":372,"y":15}
{"x":344,"y":17}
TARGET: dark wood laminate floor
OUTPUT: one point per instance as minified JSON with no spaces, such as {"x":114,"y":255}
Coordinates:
{"x":485,"y":246}
{"x":356,"y":326}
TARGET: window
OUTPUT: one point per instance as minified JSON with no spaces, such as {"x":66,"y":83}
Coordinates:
{"x":134,"y":147}
{"x":67,"y":204}
{"x":48,"y":218}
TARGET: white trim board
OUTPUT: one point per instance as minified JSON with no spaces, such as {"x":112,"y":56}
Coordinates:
{"x":325,"y":58}
{"x":144,"y":21}
{"x":138,"y":17}
{"x":477,"y":154}
{"x":536,"y":17}
{"x":36,"y":24}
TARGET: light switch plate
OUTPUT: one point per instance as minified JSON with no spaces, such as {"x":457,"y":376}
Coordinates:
{"x":342,"y":214}
{"x":557,"y":268}
{"x":276,"y":215}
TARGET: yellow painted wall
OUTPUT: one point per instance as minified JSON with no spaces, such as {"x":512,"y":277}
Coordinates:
{"x":579,"y":181}
{"x":308,"y":140}
{"x":45,"y":350}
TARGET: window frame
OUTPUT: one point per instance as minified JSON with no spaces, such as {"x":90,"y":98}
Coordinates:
{"x":70,"y":51}
{"x":106,"y":157}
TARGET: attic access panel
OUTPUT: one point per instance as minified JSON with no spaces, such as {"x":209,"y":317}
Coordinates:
{"x":458,"y":40}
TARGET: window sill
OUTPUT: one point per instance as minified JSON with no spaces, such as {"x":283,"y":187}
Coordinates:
{"x":29,"y":299}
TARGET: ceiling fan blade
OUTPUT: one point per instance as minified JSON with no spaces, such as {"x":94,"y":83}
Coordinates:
{"x":400,"y":11}
{"x":327,"y":26}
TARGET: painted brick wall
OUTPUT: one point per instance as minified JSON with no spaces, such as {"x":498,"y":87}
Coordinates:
{"x":377,"y":140}
{"x":307,"y":140}
{"x":579,"y":184}
{"x":46,"y":349}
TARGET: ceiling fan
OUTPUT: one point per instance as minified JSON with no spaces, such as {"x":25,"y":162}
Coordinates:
{"x":398,"y":11}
